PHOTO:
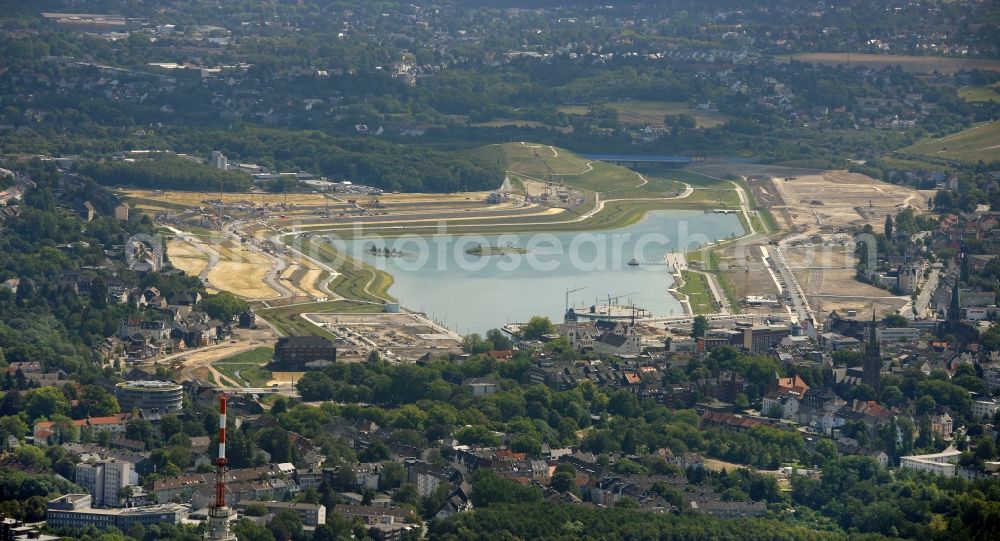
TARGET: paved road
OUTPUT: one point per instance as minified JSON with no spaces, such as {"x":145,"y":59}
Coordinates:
{"x":721,"y":301}
{"x":213,"y":256}
{"x":922,"y":304}
{"x":688,"y":319}
{"x":802,"y":311}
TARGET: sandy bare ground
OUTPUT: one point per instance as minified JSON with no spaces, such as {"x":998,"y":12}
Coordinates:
{"x":287,"y":278}
{"x":310,"y":282}
{"x":285,"y":378}
{"x":184,"y":256}
{"x":198,"y":362}
{"x":243,"y":279}
{"x":811,"y":202}
{"x":242,"y":273}
{"x":827,"y":276}
{"x":832,"y":200}
{"x":197,"y":199}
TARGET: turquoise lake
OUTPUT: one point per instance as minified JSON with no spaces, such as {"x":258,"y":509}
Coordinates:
{"x":470,"y":293}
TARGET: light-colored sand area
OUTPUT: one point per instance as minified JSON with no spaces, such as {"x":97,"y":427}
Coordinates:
{"x":389,"y":198}
{"x":241,"y":272}
{"x":310,"y":282}
{"x":287,"y":278}
{"x":835,"y":199}
{"x":243,"y":279}
{"x":828,"y":278}
{"x":184,"y":256}
{"x":197,"y":199}
{"x":285,"y":378}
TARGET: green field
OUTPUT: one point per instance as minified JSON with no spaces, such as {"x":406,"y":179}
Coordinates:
{"x":910,"y":164}
{"x":286,"y":318}
{"x":696,"y":288}
{"x":981,"y":142}
{"x":533,"y":160}
{"x":639,"y":112}
{"x":540,"y":162}
{"x":249,"y":364}
{"x":979,"y":93}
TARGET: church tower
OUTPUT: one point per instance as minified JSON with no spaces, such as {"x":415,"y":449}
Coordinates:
{"x":569,"y":327}
{"x":955,"y":306}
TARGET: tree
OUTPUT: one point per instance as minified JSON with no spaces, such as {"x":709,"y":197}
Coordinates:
{"x":888,"y":228}
{"x":286,"y":524}
{"x":537,"y":327}
{"x":474,"y":344}
{"x":45,"y":402}
{"x":32,"y":457}
{"x":224,"y":306}
{"x":896,"y":320}
{"x":489,"y":488}
{"x":699,"y":326}
{"x":64,"y":428}
{"x":741,"y":401}
{"x":499,"y":340}
{"x":682,"y":121}
{"x":171,"y":425}
{"x":96,"y":402}
{"x":275,"y":441}
{"x":563,"y":481}
{"x":315,"y":386}
{"x":12,"y":425}
{"x":141,"y":430}
{"x":393,"y":475}
{"x":406,"y":494}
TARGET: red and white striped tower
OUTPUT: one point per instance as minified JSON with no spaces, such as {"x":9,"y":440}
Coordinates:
{"x":220,"y":515}
{"x":220,"y":483}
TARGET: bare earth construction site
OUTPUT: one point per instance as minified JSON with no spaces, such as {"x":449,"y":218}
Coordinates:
{"x":817,"y":211}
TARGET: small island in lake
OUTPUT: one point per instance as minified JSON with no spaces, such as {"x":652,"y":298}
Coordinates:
{"x":486,"y":251}
{"x":384,"y":252}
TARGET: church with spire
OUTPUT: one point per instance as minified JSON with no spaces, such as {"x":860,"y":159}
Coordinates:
{"x":608,"y":336}
{"x":872,"y":359}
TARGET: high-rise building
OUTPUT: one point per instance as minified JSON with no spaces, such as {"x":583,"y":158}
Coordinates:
{"x":90,"y":477}
{"x":117,"y":475}
{"x":104,"y":479}
{"x":873,"y":358}
{"x":219,"y":160}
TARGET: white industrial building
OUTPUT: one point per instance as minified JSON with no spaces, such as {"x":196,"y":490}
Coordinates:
{"x":944,"y":463}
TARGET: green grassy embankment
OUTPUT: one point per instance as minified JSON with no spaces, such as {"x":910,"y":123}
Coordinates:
{"x":979,"y":93}
{"x":248,"y":365}
{"x":287,"y":320}
{"x":643,"y":112}
{"x":698,"y":294}
{"x":980,"y":142}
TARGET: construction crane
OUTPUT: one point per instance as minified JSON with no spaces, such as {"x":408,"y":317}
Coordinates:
{"x":618,"y":297}
{"x":746,"y":274}
{"x":548,"y":176}
{"x":568,"y":291}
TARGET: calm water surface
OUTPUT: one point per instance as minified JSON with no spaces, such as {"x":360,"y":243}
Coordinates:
{"x":473,"y":293}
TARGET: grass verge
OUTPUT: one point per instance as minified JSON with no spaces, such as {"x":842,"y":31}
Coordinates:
{"x":289,"y":323}
{"x":696,"y":288}
{"x":247,"y":367}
